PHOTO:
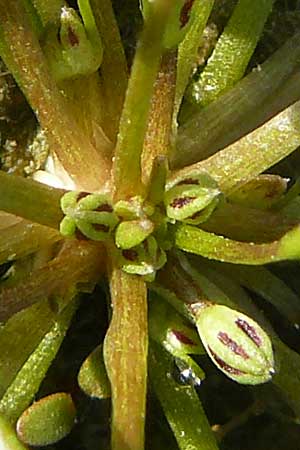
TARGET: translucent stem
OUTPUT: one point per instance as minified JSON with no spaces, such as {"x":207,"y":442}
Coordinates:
{"x":158,"y":137}
{"x":114,"y":75}
{"x":133,"y":123}
{"x":125,"y":354}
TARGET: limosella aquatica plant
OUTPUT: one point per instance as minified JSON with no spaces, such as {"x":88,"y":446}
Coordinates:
{"x":156,"y":184}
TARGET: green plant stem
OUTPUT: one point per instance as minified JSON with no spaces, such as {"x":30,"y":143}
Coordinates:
{"x":27,"y":382}
{"x":181,"y":405}
{"x":252,"y":154}
{"x":233,"y":50}
{"x":255,"y":99}
{"x":22,"y":54}
{"x":158,"y":137}
{"x":125,"y":356}
{"x":133,"y":123}
{"x":114,"y":75}
{"x":31,"y":200}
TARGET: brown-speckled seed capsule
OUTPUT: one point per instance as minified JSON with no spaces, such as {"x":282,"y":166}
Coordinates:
{"x":236,"y":344}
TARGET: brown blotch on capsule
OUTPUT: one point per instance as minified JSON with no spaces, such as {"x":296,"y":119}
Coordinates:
{"x":249,"y":330}
{"x":80,"y":236}
{"x":72,"y":36}
{"x":130,"y":255}
{"x":181,"y":201}
{"x":230,"y":343}
{"x":81,"y":195}
{"x":226,"y":367}
{"x":188,"y":181}
{"x":100,"y":227}
{"x":183,"y":338}
{"x":185,"y":13}
{"x":104,"y":208}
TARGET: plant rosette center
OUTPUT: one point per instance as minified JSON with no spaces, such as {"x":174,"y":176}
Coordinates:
{"x":139,"y":228}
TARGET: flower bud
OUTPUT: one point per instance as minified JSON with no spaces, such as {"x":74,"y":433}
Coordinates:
{"x":92,"y":214}
{"x":191,"y":199}
{"x":78,"y":51}
{"x":132,"y":233}
{"x":144,"y":259}
{"x":236,"y":344}
{"x":178,"y":22}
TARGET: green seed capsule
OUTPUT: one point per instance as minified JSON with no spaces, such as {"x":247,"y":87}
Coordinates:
{"x":236,"y":344}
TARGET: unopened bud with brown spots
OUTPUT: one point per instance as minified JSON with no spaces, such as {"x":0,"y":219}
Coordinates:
{"x":236,"y":344}
{"x":178,"y":22}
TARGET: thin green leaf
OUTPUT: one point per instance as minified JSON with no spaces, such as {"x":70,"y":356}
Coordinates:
{"x":25,"y":385}
{"x":181,"y":405}
{"x":188,"y":49}
{"x":248,"y":224}
{"x":84,"y":266}
{"x":31,"y":200}
{"x":24,"y":238}
{"x":48,"y":12}
{"x":251,"y":102}
{"x":267,"y":285}
{"x":212,"y":246}
{"x":233,"y":50}
{"x":252,"y":154}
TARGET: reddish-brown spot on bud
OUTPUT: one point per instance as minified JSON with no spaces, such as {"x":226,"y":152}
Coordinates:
{"x":82,"y":194}
{"x":226,"y":367}
{"x":188,"y":181}
{"x":145,"y":245}
{"x":104,"y":208}
{"x":249,"y":330}
{"x":181,"y":201}
{"x":100,"y":227}
{"x":72,"y":36}
{"x":80,"y":236}
{"x":183,"y":338}
{"x":185,"y":13}
{"x":230,"y":343}
{"x":130,"y":254}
